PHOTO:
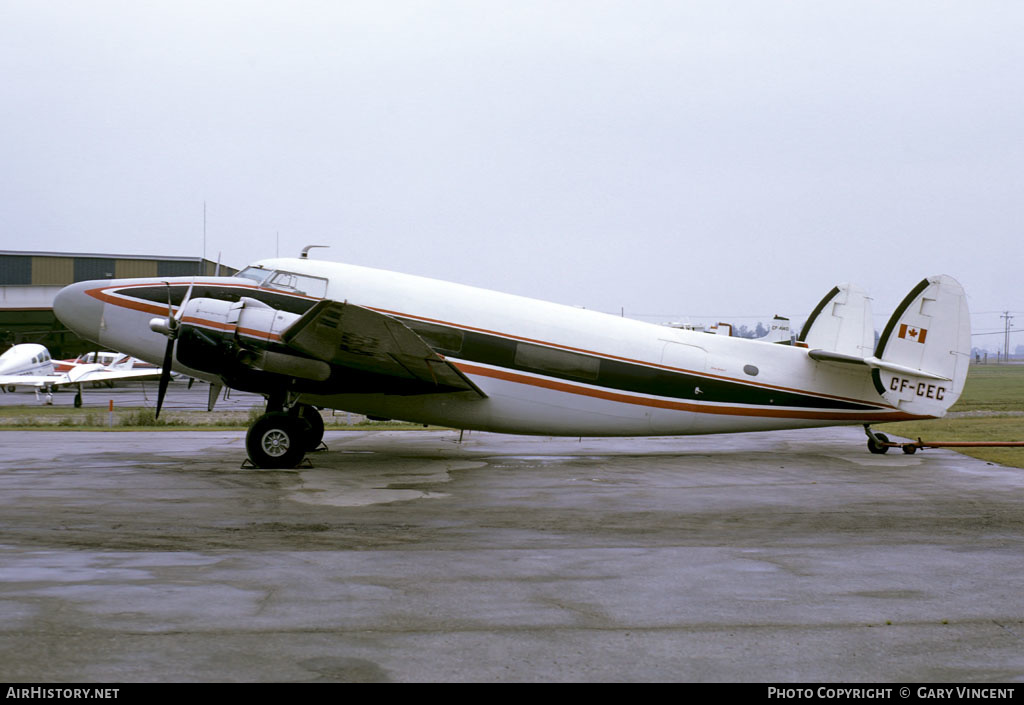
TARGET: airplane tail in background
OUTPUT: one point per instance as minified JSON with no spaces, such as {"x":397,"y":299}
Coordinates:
{"x":921,"y":360}
{"x":930,"y":332}
{"x":779,"y":331}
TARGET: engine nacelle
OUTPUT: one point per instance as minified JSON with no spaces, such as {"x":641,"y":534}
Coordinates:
{"x":235,"y":341}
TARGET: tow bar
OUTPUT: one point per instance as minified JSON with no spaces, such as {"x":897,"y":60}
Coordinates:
{"x":911,"y":447}
{"x":880,"y":443}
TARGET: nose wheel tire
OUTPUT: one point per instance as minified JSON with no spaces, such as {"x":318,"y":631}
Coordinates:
{"x":276,"y":440}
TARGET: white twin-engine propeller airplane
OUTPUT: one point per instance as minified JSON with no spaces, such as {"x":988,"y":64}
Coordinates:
{"x":30,"y":365}
{"x":312,"y":334}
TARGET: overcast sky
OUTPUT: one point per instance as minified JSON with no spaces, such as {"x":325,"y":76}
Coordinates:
{"x":673,"y":159}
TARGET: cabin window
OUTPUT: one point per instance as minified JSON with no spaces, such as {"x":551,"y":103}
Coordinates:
{"x":556,"y":362}
{"x":438,"y":337}
{"x":751,"y":370}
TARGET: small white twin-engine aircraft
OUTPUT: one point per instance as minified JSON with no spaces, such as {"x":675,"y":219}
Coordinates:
{"x":309,"y":334}
{"x":110,"y":360}
{"x":31,"y":365}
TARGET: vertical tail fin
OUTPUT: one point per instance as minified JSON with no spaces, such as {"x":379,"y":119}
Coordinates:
{"x":779,"y":331}
{"x":929,"y":332}
{"x":841,"y":323}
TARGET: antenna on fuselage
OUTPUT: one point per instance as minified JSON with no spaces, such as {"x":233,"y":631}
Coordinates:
{"x":307,"y":248}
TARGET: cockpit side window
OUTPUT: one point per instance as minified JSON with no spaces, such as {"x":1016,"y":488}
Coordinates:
{"x":315,"y":287}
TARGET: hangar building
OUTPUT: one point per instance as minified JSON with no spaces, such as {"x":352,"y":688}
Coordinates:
{"x":29,"y":281}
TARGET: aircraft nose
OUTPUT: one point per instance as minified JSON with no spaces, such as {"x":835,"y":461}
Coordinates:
{"x":79,"y":311}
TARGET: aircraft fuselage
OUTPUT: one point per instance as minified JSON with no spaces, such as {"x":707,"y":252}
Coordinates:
{"x":543,"y":368}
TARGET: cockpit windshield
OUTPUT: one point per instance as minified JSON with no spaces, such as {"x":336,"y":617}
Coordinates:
{"x":281,"y":280}
{"x":257,"y":274}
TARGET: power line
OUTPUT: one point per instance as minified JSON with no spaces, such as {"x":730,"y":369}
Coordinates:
{"x":999,"y":332}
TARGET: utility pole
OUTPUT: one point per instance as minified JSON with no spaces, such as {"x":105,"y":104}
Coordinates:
{"x":1006,"y":335}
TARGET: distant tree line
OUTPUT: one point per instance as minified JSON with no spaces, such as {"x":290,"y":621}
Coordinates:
{"x":742,"y":331}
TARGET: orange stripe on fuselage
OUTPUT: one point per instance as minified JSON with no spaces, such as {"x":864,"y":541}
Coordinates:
{"x":618,"y":358}
{"x":148,"y":307}
{"x":569,"y":388}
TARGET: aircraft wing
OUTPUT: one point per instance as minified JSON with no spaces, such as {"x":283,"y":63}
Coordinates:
{"x":103,"y":373}
{"x":80,"y":374}
{"x":359,"y":338}
{"x":38,"y":381}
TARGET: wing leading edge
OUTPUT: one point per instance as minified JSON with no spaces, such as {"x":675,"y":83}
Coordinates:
{"x":359,"y":338}
{"x":79,"y":375}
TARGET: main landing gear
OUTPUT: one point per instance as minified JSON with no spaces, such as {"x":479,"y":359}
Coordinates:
{"x":281,"y":439}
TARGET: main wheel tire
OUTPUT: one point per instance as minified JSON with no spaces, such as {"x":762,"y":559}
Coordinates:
{"x":313,"y":424}
{"x":876,"y":447}
{"x":276,"y":440}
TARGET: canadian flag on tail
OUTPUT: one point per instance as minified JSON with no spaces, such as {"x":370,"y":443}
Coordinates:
{"x":916,"y":335}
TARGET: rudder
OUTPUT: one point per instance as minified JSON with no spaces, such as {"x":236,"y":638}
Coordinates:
{"x":930,"y":331}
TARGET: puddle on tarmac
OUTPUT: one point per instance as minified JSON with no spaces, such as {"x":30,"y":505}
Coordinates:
{"x":396,"y":480}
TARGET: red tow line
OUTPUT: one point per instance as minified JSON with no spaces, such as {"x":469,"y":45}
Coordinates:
{"x":913,"y":446}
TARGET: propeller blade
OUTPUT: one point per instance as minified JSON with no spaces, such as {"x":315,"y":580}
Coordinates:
{"x":170,"y":306}
{"x":188,"y":295}
{"x":172,"y":334}
{"x":165,"y":376}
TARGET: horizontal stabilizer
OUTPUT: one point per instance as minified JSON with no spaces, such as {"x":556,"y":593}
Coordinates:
{"x":872,"y":362}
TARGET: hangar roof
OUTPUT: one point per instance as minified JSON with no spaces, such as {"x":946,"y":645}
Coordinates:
{"x":33,"y":268}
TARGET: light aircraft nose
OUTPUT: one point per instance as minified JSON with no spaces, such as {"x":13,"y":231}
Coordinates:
{"x":79,"y":311}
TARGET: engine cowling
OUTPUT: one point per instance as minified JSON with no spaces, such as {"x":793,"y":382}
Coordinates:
{"x":240,"y":342}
